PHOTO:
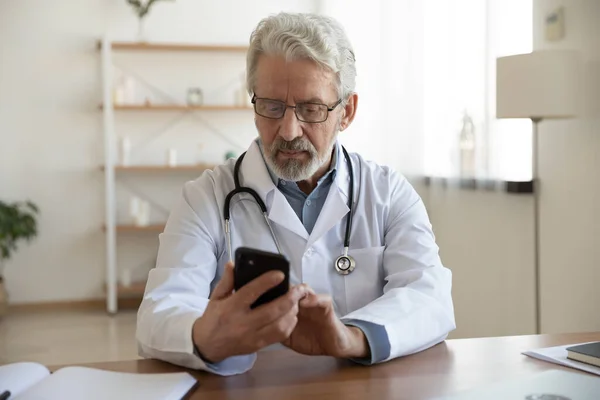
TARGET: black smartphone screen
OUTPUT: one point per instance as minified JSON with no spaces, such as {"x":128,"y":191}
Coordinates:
{"x":251,"y":263}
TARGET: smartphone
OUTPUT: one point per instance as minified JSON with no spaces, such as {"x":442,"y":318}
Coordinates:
{"x":251,"y":263}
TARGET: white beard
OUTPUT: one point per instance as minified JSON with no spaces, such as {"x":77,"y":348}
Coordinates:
{"x":293,"y":169}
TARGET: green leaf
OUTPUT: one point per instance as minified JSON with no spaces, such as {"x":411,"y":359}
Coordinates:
{"x":17,"y":223}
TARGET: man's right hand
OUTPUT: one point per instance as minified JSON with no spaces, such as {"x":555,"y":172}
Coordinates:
{"x":229,"y":327}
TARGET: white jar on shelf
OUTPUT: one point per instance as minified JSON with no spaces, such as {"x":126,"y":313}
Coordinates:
{"x":126,"y":277}
{"x":125,"y":151}
{"x":130,"y":97}
{"x":134,"y":208}
{"x":119,"y":95}
{"x":200,"y":153}
{"x":143,"y":215}
{"x":172,"y":157}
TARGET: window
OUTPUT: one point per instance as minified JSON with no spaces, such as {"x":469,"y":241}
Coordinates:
{"x":462,"y":40}
{"x":422,"y":64}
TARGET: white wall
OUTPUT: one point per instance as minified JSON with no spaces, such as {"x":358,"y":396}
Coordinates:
{"x":569,"y":164}
{"x":51,"y":129}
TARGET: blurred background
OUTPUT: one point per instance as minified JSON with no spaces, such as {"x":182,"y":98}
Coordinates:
{"x":105,"y":113}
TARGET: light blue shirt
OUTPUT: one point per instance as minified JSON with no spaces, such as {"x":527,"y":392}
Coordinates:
{"x":307,"y":208}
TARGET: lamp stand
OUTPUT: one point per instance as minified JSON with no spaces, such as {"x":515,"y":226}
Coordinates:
{"x":536,"y":225}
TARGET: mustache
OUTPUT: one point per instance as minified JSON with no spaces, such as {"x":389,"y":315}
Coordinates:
{"x":298,"y":144}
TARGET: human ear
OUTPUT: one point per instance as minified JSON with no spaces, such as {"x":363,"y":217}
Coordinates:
{"x":349,"y":111}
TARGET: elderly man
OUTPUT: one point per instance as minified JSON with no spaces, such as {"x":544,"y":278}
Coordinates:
{"x":387,"y":296}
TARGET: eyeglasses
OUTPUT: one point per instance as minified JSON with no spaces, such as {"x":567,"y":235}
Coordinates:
{"x":305,"y":112}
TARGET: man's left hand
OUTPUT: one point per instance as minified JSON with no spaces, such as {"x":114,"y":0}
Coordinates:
{"x":320,"y":332}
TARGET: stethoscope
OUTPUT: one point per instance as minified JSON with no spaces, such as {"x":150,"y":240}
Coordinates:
{"x":344,"y":264}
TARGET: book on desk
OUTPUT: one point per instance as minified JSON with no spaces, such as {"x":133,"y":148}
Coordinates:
{"x":588,"y":353}
{"x":562,"y":356}
{"x":27,"y":380}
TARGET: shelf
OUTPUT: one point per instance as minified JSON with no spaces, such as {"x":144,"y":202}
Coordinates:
{"x":135,"y":289}
{"x":141,"y":229}
{"x":176,"y":107}
{"x":162,"y":168}
{"x":143,"y":46}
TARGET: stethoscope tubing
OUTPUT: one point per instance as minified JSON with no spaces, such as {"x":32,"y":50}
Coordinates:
{"x":241,"y":189}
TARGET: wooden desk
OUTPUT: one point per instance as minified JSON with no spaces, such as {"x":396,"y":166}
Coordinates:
{"x":449,"y":367}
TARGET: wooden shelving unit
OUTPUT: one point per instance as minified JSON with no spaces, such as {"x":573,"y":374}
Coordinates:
{"x":141,"y":46}
{"x":162,"y":168}
{"x":175,"y":107}
{"x":110,"y":111}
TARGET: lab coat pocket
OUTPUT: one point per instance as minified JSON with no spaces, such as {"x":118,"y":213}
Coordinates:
{"x":365,"y":283}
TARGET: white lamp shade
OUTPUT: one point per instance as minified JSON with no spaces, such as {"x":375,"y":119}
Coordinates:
{"x":541,"y":84}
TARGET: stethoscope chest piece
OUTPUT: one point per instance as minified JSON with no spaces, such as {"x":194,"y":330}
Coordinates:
{"x":344,"y":264}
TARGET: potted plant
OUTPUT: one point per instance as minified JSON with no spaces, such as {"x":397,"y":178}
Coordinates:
{"x":17,"y":223}
{"x":141,"y":8}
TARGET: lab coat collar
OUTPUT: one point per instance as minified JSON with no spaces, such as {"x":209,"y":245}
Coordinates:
{"x":342,"y":176}
{"x":336,"y":204}
{"x":256,"y":176}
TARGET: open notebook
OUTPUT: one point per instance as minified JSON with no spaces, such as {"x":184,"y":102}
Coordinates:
{"x":32,"y":381}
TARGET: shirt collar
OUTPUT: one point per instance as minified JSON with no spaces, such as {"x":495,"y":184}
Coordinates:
{"x":334,"y":166}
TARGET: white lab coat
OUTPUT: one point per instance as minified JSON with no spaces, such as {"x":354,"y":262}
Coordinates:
{"x":399,"y":281}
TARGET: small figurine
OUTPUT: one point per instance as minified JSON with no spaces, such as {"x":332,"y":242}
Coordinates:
{"x":194,"y":97}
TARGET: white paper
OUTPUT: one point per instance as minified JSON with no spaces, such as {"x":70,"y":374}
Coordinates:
{"x":558,"y":355}
{"x":552,"y":385}
{"x":18,"y":377}
{"x":76,"y":383}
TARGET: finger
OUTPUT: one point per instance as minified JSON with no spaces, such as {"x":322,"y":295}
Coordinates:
{"x":225,"y":285}
{"x":309,"y":301}
{"x":309,"y":289}
{"x":278,"y":330}
{"x":272,"y":311}
{"x":251,"y":291}
{"x":316,"y":300}
{"x":309,"y":292}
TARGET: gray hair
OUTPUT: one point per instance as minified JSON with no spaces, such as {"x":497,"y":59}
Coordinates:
{"x":304,"y":36}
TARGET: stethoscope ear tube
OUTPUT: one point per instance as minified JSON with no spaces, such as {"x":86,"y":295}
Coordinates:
{"x":350,"y":202}
{"x":226,"y":215}
{"x":251,"y":192}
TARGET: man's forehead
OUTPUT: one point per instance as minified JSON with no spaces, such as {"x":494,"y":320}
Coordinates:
{"x":303,"y":77}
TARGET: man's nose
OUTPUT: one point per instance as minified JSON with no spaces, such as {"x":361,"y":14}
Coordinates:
{"x":290,"y":127}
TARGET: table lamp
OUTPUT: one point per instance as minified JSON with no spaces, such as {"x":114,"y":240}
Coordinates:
{"x":539,"y":85}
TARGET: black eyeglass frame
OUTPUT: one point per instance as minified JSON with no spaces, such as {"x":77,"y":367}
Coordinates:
{"x":329,"y":109}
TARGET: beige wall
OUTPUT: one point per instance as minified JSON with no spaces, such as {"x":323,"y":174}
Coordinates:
{"x":486,"y":239}
{"x":570,"y":197}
